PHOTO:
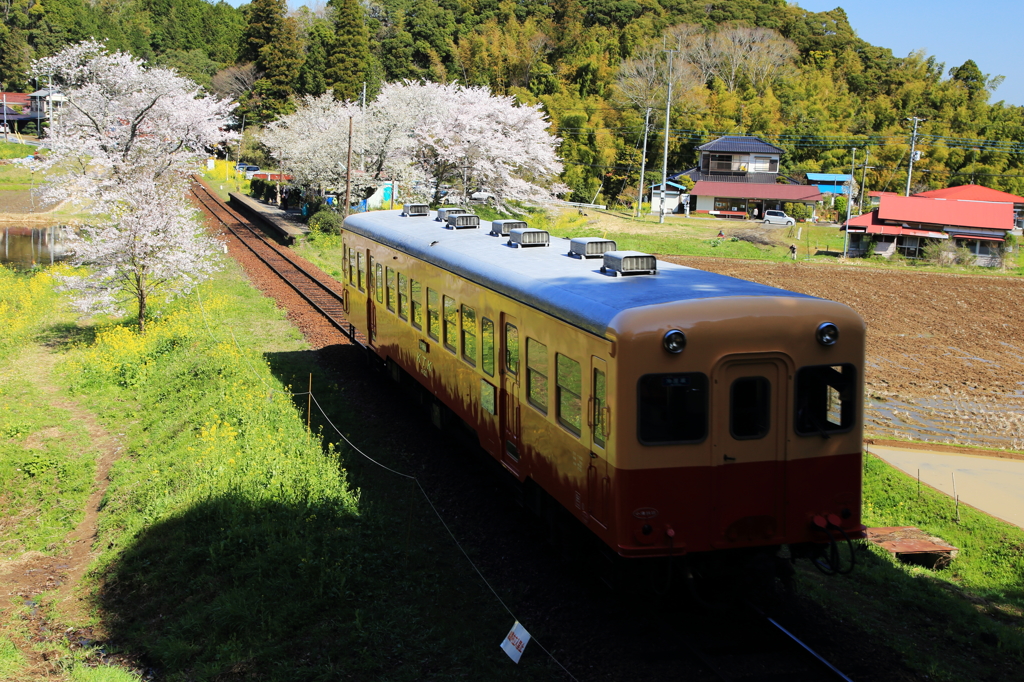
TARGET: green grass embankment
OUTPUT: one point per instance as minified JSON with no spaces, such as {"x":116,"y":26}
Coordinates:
{"x":232,"y":541}
{"x":961,"y":622}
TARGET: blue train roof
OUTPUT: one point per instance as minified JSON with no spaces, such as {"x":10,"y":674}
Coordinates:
{"x":546,"y":278}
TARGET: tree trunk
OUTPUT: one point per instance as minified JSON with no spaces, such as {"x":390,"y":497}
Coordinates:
{"x":142,"y":311}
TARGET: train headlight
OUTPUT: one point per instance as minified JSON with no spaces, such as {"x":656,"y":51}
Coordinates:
{"x":827,"y":334}
{"x":674,"y":341}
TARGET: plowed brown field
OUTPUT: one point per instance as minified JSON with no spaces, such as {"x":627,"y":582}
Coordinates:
{"x":945,"y":352}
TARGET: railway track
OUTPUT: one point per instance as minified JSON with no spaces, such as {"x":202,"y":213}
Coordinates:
{"x":281,"y":262}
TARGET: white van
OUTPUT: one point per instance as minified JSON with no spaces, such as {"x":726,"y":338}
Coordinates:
{"x":778,"y":218}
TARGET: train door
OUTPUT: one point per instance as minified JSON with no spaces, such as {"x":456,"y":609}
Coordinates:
{"x":371,"y":287}
{"x":510,"y":368}
{"x":599,"y":421}
{"x":748,"y":442}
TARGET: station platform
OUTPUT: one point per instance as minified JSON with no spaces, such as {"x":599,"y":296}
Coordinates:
{"x":992,"y":484}
{"x":280,"y":223}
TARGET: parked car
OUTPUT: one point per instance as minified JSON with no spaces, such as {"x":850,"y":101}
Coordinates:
{"x":778,"y":218}
{"x":249,"y":170}
{"x":240,"y":167}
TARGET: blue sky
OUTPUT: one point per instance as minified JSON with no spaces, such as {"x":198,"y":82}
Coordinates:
{"x":954,"y":31}
{"x":983,"y":30}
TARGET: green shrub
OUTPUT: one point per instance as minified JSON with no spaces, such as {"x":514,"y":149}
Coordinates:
{"x":326,"y":220}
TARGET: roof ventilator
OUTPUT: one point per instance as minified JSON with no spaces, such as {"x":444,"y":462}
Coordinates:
{"x":629,"y":263}
{"x":501,"y":228}
{"x":412,"y":210}
{"x":528,"y":236}
{"x":443,"y":213}
{"x":590,"y":247}
{"x":462,"y":221}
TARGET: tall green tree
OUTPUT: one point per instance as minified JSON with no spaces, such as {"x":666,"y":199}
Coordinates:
{"x":265,"y":18}
{"x":348,"y":65}
{"x":319,"y":40}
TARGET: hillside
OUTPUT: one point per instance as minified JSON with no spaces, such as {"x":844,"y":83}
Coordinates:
{"x":828,"y":90}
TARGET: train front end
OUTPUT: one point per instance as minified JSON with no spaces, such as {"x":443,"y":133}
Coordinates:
{"x":739,"y":425}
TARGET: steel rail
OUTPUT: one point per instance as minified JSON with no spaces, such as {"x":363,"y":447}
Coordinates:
{"x":325,"y":300}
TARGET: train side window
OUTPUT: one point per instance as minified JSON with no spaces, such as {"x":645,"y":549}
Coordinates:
{"x":487,"y":346}
{"x":390,"y":294}
{"x":825,"y":399}
{"x":416,"y":294}
{"x":511,"y":348}
{"x":451,"y":323}
{"x":344,"y":260}
{"x":673,"y":408}
{"x":568,"y":390}
{"x":537,"y":374}
{"x":469,"y":335}
{"x":362,"y":271}
{"x":378,"y":282}
{"x":433,"y":314}
{"x":352,"y":277}
{"x":750,"y":401}
{"x":600,"y":402}
{"x":488,"y":397}
{"x":403,"y":296}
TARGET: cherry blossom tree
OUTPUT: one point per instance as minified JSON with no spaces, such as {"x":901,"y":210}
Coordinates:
{"x":438,"y":134}
{"x":124,"y":146}
{"x":151,"y":245}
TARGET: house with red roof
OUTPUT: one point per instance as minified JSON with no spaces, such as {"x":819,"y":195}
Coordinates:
{"x":738,"y":176}
{"x":978,"y":193}
{"x":904,"y":225}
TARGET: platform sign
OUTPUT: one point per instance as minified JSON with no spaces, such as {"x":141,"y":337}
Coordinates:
{"x":515,"y":642}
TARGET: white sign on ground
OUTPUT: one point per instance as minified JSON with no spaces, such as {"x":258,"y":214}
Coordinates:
{"x":515,"y":642}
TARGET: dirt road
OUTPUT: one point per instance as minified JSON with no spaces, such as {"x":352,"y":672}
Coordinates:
{"x":945,"y":353}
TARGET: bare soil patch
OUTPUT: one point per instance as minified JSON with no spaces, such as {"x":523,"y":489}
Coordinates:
{"x":945,"y":353}
{"x":39,"y":585}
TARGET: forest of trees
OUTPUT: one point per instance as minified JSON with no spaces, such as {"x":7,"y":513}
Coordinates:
{"x":802,"y":80}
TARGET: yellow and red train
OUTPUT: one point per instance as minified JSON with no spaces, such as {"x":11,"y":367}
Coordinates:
{"x":671,"y":411}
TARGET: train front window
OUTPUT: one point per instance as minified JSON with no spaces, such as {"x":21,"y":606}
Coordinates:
{"x":416,"y":294}
{"x":568,"y":378}
{"x":469,"y":335}
{"x":487,"y":346}
{"x":403,"y":296}
{"x":537,"y":374}
{"x":433,"y":314}
{"x":825,"y":399}
{"x":673,"y":408}
{"x":750,"y":408}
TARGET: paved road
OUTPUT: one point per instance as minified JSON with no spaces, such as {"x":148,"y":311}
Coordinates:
{"x":995,"y":486}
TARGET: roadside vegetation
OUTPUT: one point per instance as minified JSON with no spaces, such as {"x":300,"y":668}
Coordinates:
{"x":232,"y":541}
{"x":14,"y":150}
{"x":964,"y":621}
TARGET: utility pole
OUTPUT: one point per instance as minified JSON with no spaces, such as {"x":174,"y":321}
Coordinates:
{"x":348,"y":168}
{"x":863,"y":177}
{"x":643,"y":163}
{"x":849,"y":200}
{"x":913,"y":143}
{"x":668,"y":116}
{"x":3,"y":86}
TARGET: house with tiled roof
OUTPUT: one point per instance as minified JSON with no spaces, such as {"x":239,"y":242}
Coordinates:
{"x":904,"y":225}
{"x":737,"y":176}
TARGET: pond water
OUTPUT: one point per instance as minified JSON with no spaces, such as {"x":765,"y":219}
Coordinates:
{"x":26,"y":247}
